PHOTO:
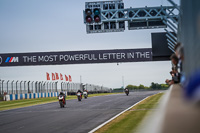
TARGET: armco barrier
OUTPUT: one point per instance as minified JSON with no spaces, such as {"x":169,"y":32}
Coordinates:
{"x":12,"y":97}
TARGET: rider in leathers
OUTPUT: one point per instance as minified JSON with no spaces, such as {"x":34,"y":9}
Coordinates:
{"x":63,"y":94}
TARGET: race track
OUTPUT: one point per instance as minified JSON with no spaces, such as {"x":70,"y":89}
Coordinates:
{"x":76,"y":117}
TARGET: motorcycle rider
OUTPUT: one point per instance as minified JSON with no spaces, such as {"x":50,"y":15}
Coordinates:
{"x":86,"y":91}
{"x":126,"y":89}
{"x":63,"y":94}
{"x":80,"y":92}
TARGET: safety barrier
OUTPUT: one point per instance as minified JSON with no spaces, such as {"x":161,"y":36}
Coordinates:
{"x":23,"y":87}
{"x":11,"y":97}
{"x":15,"y":90}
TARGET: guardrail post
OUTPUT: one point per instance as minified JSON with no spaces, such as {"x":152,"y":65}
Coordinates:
{"x":2,"y":87}
{"x":47,"y":86}
{"x":36,"y":86}
{"x":28,"y":87}
{"x":12,"y":86}
{"x":24,"y":86}
{"x":16,"y":87}
{"x":67,"y":87}
{"x":53,"y":86}
{"x":20,"y":86}
{"x":43,"y":87}
{"x":61,"y":86}
{"x":56,"y":86}
{"x":7,"y":86}
{"x":40,"y":87}
{"x":50,"y":86}
{"x":32,"y":85}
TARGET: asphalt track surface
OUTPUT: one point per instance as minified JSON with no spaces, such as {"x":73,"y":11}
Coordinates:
{"x":76,"y":117}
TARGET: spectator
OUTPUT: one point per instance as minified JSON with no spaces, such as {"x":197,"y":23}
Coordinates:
{"x":176,"y":47}
{"x":169,"y":82}
{"x":175,"y":75}
{"x":181,"y":58}
{"x":179,"y":53}
{"x":174,"y":60}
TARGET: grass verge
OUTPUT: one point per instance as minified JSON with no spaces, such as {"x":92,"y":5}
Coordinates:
{"x":129,"y":121}
{"x":5,"y":105}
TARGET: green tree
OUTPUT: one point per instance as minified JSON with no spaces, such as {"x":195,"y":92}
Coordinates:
{"x":131,"y":87}
{"x":153,"y":85}
{"x":141,"y":86}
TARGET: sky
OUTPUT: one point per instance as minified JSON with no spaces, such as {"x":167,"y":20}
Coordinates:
{"x":57,"y":25}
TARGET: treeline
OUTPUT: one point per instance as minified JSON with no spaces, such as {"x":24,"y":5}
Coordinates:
{"x":153,"y":86}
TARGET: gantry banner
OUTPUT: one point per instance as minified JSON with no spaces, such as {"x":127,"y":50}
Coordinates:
{"x":76,"y":57}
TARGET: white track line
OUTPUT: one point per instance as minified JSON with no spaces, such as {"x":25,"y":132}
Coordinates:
{"x":95,"y":129}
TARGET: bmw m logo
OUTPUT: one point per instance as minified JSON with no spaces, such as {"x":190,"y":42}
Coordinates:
{"x":12,"y":59}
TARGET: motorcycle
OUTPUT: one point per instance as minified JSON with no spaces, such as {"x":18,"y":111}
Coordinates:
{"x":126,"y":91}
{"x":61,"y":101}
{"x":79,"y":96}
{"x":85,"y":94}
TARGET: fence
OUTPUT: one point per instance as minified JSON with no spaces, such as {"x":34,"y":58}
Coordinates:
{"x":21,"y":87}
{"x":14,"y":90}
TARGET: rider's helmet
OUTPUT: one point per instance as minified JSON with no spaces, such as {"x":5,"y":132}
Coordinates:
{"x":61,"y":93}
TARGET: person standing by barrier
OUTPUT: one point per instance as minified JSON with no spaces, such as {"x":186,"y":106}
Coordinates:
{"x":174,"y":60}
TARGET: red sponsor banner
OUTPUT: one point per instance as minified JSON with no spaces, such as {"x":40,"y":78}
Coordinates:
{"x":48,"y":77}
{"x":66,"y":78}
{"x":53,"y":76}
{"x":61,"y":76}
{"x":57,"y":76}
{"x":70,"y":78}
